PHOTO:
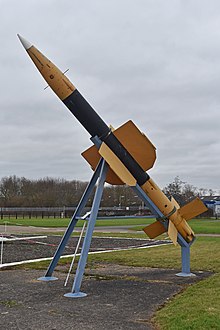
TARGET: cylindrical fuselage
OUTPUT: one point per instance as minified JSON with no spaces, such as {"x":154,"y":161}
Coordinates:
{"x":94,"y":124}
{"x":83,"y":111}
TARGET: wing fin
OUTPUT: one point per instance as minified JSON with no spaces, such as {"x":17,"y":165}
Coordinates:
{"x":192,"y":209}
{"x":116,"y":165}
{"x":175,"y":203}
{"x":135,"y":142}
{"x":155,"y":229}
{"x":172,"y":232}
{"x":92,"y":156}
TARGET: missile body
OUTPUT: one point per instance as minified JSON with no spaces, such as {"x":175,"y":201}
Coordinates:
{"x":81,"y":109}
{"x":95,"y":126}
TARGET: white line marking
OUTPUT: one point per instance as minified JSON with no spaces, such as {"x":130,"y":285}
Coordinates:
{"x":133,"y":238}
{"x":5,"y":239}
{"x":71,"y":255}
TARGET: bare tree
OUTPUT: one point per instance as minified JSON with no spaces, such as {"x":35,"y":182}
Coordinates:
{"x":181,"y":191}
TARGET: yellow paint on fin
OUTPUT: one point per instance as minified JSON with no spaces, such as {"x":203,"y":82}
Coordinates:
{"x":137,"y":144}
{"x":175,"y":203}
{"x":134,"y":141}
{"x":92,"y":156}
{"x":192,"y":209}
{"x":116,"y":165}
{"x":172,"y":232}
{"x":155,"y":229}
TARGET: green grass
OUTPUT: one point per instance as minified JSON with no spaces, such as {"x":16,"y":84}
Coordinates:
{"x":199,"y":226}
{"x":205,"y":255}
{"x":205,"y":226}
{"x":54,"y":223}
{"x":9,"y":303}
{"x":198,"y":307}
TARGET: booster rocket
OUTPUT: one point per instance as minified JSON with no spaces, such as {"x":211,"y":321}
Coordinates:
{"x":128,"y":152}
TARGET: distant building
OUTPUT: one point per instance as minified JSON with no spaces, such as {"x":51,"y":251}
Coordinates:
{"x":213,"y":203}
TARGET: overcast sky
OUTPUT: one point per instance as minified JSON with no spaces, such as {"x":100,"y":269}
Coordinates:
{"x":154,"y":62}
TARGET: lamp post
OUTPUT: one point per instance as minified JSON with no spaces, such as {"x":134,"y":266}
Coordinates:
{"x":120,"y":200}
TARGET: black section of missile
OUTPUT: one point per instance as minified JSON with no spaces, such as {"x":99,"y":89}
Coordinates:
{"x":86,"y":115}
{"x":94,"y":124}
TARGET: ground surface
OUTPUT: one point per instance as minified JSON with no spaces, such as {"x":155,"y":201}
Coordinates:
{"x":32,"y":229}
{"x":119,"y":297}
{"x":45,"y":247}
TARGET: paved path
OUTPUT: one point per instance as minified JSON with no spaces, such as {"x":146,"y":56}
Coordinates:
{"x":109,"y":229}
{"x":31,"y":229}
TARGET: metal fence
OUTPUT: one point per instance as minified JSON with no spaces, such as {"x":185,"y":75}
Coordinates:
{"x":67,"y":212}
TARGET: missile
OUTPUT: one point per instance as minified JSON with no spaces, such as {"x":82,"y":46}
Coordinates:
{"x":128,"y":152}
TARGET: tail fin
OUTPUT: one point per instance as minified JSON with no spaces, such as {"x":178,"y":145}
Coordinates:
{"x":187,"y":212}
{"x":155,"y":229}
{"x":192,"y":209}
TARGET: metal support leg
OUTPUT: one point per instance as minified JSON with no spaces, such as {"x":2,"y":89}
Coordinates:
{"x":154,"y":209}
{"x":48,"y":276}
{"x":75,"y":293}
{"x":185,"y":247}
{"x":185,"y":255}
{"x":74,"y":257}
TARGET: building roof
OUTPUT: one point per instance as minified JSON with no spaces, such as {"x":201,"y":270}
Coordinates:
{"x":210,"y":199}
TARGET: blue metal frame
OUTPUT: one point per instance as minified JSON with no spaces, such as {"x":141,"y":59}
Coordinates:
{"x":76,"y":293}
{"x":48,"y":275}
{"x":100,"y":176}
{"x":185,"y":246}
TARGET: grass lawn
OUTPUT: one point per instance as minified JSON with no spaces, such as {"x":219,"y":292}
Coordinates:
{"x":199,"y":226}
{"x":198,"y":307}
{"x":57,"y":222}
{"x":205,"y":255}
{"x":205,"y":226}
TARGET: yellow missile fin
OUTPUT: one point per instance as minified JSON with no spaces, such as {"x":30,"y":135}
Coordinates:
{"x":92,"y":156}
{"x":172,"y":232}
{"x":116,"y":165}
{"x":155,"y":229}
{"x":174,"y":202}
{"x":135,"y":142}
{"x":192,"y":209}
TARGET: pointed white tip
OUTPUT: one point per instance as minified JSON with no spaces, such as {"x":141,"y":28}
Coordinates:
{"x":24,"y":42}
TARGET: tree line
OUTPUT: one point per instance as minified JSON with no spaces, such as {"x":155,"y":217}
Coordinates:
{"x":54,"y":192}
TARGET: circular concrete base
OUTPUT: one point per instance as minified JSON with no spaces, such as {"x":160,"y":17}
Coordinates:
{"x":75,"y":295}
{"x":185,"y":274}
{"x":47,"y":278}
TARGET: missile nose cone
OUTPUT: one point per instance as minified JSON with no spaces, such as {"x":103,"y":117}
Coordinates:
{"x":24,"y":42}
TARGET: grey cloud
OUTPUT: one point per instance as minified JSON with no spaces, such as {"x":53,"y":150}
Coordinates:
{"x":154,"y":62}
